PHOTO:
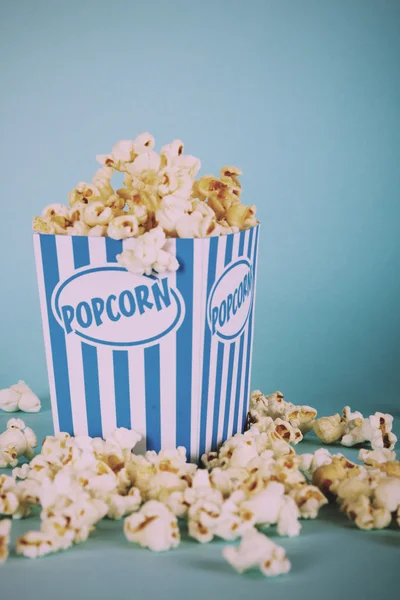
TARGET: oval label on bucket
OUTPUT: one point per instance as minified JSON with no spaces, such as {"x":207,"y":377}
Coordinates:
{"x":230,"y":300}
{"x":108,"y":305}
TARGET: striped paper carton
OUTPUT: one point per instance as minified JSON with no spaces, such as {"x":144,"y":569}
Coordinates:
{"x":167,"y":355}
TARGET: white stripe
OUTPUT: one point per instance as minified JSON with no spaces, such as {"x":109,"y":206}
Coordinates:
{"x":220,"y":265}
{"x":46,"y":330}
{"x":246,"y":336}
{"x":168,"y":414}
{"x":224,"y":375}
{"x":137,"y":395}
{"x":73,"y":344}
{"x":201,"y":249}
{"x":98,"y":258}
{"x":235,"y":254}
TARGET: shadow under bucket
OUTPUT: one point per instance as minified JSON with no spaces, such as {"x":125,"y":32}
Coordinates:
{"x":167,"y":355}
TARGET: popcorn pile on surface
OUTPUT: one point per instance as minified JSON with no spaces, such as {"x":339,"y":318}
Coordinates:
{"x":19,"y":397}
{"x":254,"y":481}
{"x":159,"y":193}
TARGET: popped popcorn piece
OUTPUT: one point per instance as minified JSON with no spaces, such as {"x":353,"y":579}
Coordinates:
{"x":387,"y":494}
{"x":309,"y":499}
{"x":19,"y":397}
{"x":288,"y":518}
{"x":366,"y":516}
{"x":309,"y":463}
{"x":84,"y":192}
{"x":234,"y":520}
{"x":34,"y":544}
{"x":9,"y":497}
{"x":119,"y":506}
{"x":18,"y":440}
{"x":154,"y":527}
{"x":256,"y":550}
{"x":126,"y":226}
{"x":329,"y":429}
{"x":96,"y":214}
{"x":78,"y":228}
{"x":203,"y":519}
{"x":375,"y":429}
{"x":50,"y":225}
{"x":148,"y":255}
{"x":21,"y":472}
{"x":328,"y":476}
{"x":5,"y":530}
{"x":98,"y":231}
{"x":266,"y":504}
{"x":380,"y":455}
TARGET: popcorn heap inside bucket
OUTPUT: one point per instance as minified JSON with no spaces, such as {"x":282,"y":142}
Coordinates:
{"x":160,"y":198}
{"x":254,"y":481}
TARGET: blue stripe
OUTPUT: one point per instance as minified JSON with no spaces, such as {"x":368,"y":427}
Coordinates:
{"x":217,"y":395}
{"x":212,"y":264}
{"x":121,"y":387}
{"x":242,"y":237}
{"x":152,"y":390}
{"x":92,"y":391}
{"x":250,"y":333}
{"x":113,"y":247}
{"x":229,"y":248}
{"x":59,"y":353}
{"x":80,"y":245}
{"x":238,"y":386}
{"x":251,"y":233}
{"x":184,"y":342}
{"x":228,"y":391}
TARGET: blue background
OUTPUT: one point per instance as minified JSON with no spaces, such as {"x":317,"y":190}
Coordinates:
{"x":304,"y":96}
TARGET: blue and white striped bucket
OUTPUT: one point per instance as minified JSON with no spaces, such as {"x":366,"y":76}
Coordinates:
{"x":168,"y":356}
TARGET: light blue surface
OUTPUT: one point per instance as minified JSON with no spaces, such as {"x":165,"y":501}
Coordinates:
{"x":304,"y":97}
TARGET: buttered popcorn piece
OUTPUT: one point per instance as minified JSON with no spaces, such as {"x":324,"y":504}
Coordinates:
{"x":123,"y":227}
{"x":309,"y":499}
{"x":329,"y":429}
{"x":18,"y":440}
{"x":19,"y":397}
{"x":154,"y":527}
{"x":5,"y":530}
{"x":256,"y":550}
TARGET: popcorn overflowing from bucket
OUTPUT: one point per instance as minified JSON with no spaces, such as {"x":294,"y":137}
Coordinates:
{"x":160,"y":198}
{"x":255,"y":480}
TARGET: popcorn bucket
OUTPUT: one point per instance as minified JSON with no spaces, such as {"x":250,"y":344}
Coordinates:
{"x":166,"y":355}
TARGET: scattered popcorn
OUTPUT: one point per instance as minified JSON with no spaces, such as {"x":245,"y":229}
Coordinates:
{"x":154,"y":527}
{"x":275,"y":407}
{"x":352,"y":428}
{"x":19,"y":397}
{"x":18,"y":440}
{"x":256,"y":550}
{"x":5,"y":530}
